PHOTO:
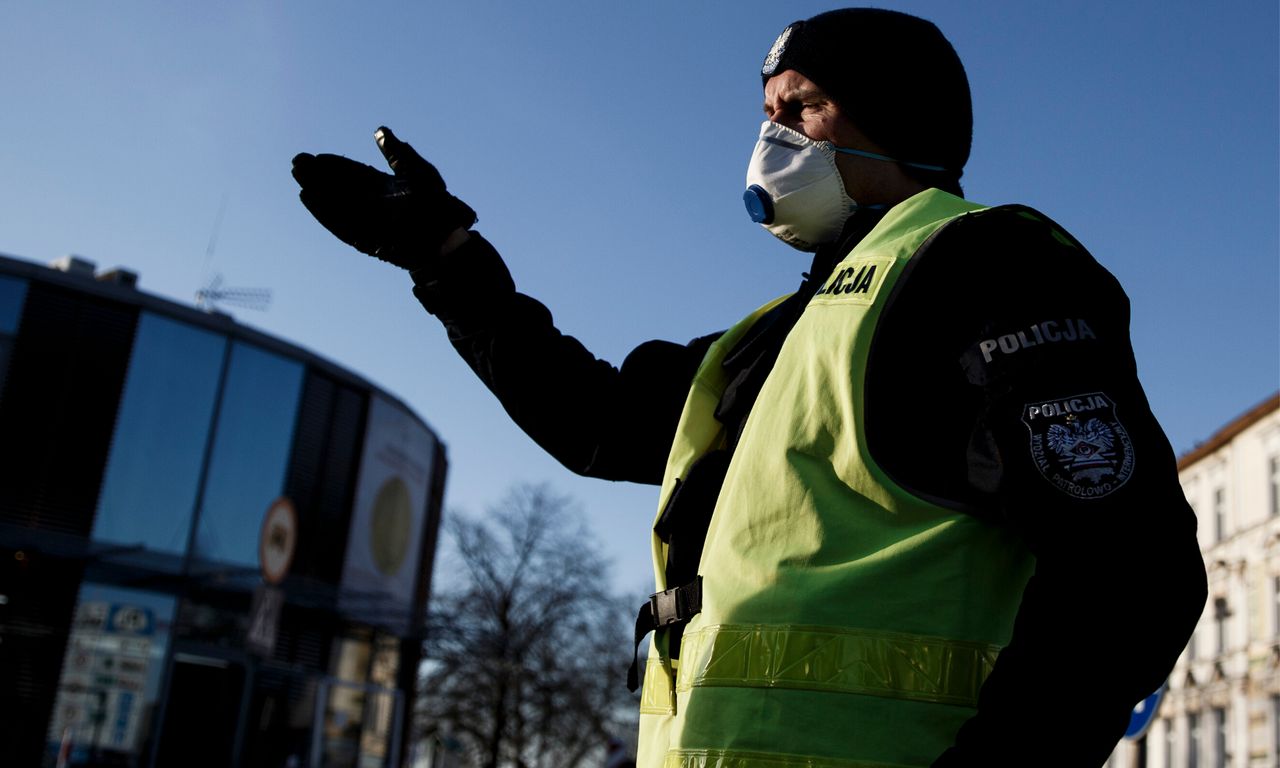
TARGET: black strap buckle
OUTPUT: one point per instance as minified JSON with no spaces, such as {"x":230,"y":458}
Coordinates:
{"x":676,"y":604}
{"x":671,"y":606}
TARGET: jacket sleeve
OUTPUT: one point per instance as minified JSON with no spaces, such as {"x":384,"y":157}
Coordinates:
{"x":1066,"y":450}
{"x":596,"y":419}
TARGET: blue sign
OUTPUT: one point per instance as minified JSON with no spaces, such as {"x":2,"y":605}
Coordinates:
{"x":1144,"y":714}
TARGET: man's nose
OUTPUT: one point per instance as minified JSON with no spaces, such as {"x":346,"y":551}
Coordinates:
{"x":781,"y":117}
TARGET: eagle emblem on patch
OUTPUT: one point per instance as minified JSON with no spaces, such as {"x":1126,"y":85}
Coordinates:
{"x":1079,"y":444}
{"x":775,"y":53}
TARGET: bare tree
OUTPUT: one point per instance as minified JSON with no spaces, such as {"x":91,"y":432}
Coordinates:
{"x":527,"y":656}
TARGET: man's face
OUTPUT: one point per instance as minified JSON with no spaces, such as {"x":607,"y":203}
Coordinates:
{"x":793,"y":100}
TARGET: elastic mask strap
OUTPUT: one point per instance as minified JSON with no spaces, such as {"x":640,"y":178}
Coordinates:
{"x":886,"y":158}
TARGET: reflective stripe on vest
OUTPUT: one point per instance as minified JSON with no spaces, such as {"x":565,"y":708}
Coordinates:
{"x":658,"y":695}
{"x":900,"y":666}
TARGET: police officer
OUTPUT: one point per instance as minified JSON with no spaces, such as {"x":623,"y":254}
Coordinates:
{"x":898,"y":506}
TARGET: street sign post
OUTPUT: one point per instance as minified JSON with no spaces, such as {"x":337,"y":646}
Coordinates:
{"x":277,"y":542}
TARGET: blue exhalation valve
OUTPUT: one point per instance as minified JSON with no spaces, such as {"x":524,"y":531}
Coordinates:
{"x":759,"y":204}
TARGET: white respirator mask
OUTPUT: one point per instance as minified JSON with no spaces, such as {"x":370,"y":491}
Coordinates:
{"x":795,"y":190}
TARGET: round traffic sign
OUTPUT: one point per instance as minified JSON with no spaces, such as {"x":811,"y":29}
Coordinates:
{"x":278,"y":540}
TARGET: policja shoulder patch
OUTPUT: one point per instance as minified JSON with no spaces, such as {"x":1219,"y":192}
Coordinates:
{"x":1079,"y":444}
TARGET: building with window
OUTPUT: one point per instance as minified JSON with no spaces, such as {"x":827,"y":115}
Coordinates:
{"x":1222,"y":706}
{"x":215,"y":546}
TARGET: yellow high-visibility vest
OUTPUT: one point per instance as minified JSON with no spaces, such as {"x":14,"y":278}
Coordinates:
{"x":845,"y":622}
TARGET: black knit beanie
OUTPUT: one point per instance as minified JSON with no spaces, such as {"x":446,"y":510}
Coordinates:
{"x":893,"y":74}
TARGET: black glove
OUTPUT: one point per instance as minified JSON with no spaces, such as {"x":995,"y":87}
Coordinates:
{"x":402,"y":219}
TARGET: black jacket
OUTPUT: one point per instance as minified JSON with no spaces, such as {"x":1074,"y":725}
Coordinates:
{"x":1001,"y":323}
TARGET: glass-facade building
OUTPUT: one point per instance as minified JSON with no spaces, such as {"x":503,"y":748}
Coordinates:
{"x":152,"y":611}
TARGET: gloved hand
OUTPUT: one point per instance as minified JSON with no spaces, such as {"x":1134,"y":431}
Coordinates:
{"x":402,"y":219}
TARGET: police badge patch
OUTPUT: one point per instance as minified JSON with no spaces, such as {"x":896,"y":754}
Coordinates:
{"x":775,"y":53}
{"x":1079,"y":444}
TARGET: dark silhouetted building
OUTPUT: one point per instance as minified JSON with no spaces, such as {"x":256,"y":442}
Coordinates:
{"x":215,"y":546}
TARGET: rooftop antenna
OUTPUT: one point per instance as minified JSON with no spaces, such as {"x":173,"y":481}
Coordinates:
{"x":212,"y":294}
{"x":209,"y":297}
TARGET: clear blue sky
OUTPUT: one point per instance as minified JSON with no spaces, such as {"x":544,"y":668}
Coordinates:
{"x":604,"y":146}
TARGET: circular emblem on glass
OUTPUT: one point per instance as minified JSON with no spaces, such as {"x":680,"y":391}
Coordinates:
{"x":389,"y":526}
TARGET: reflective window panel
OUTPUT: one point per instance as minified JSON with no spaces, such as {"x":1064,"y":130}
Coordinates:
{"x":250,"y":453}
{"x":153,"y":471}
{"x":12,"y":293}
